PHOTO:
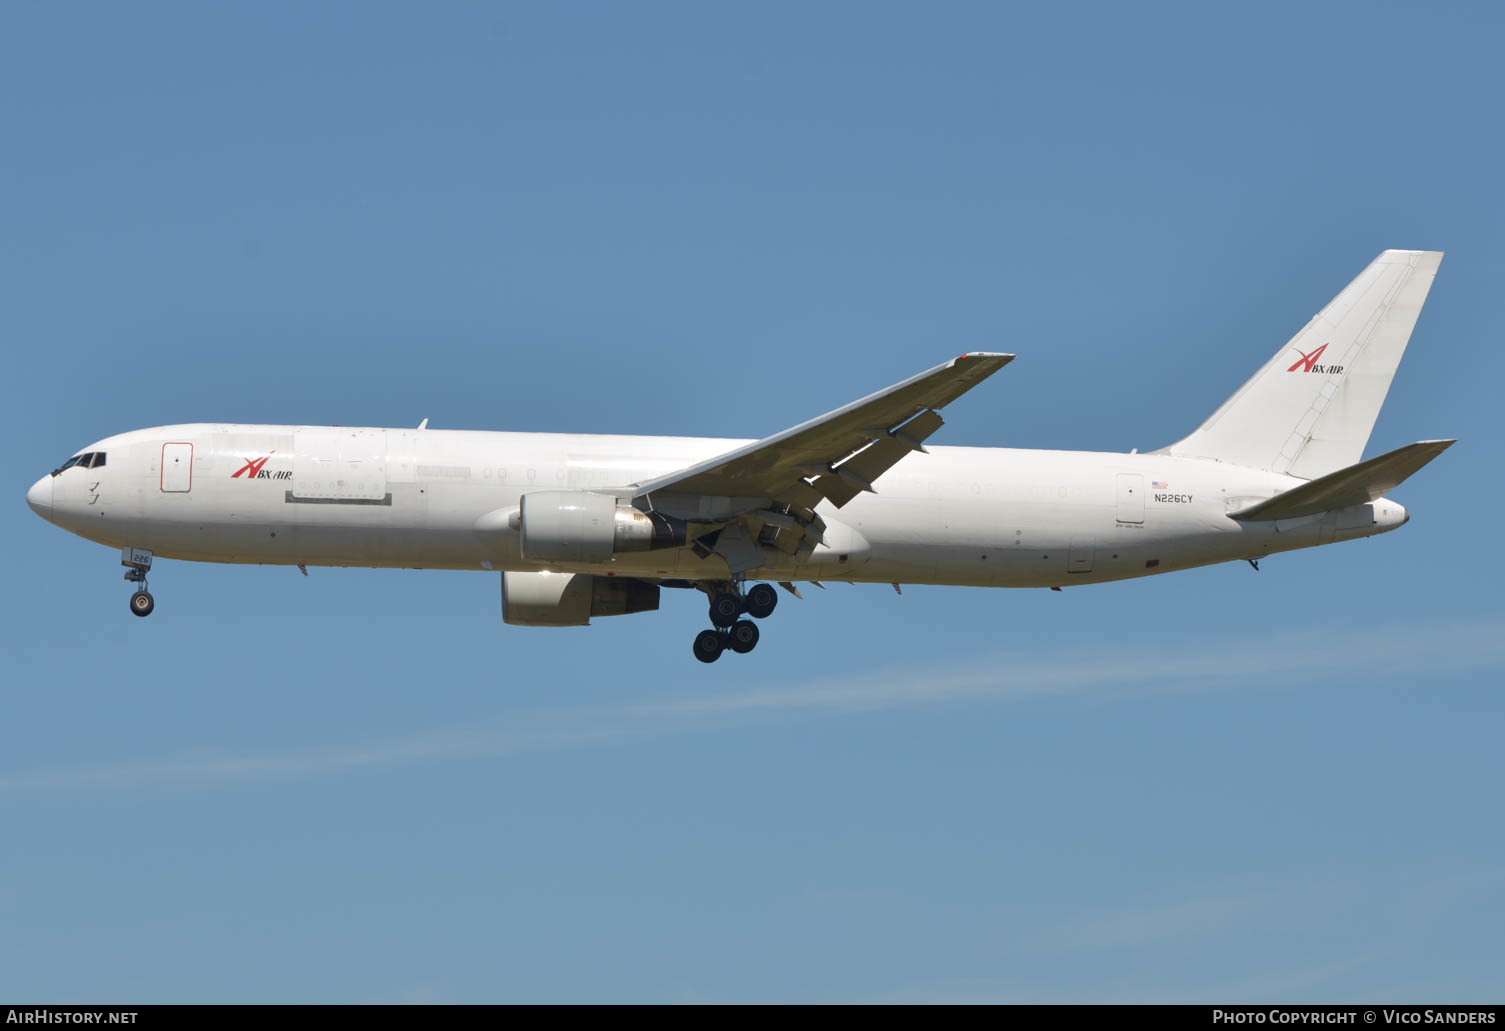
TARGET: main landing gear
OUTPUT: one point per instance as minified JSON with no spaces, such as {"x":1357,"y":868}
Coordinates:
{"x":728,"y":605}
{"x":137,"y":562}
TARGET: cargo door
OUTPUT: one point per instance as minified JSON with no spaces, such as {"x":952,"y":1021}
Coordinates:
{"x":340,"y":465}
{"x":177,"y":468}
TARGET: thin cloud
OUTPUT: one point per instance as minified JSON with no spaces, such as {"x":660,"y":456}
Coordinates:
{"x":1277,"y":660}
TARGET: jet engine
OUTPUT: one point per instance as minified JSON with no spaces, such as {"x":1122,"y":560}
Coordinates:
{"x":578,"y":526}
{"x":571,"y":599}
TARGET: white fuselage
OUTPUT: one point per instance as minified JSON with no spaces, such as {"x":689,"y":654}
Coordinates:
{"x":440,"y":499}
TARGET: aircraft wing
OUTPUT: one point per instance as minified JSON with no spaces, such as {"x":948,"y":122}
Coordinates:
{"x":835,"y":456}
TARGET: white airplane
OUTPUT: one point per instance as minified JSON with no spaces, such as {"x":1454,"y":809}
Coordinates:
{"x":584,"y":525}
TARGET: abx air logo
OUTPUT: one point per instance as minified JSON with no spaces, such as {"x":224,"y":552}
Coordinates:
{"x":1308,"y":363}
{"x":253,"y":470}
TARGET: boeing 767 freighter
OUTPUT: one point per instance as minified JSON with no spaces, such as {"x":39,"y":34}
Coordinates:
{"x":584,"y":525}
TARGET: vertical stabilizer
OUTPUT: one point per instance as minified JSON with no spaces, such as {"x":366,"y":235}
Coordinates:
{"x":1310,"y":409}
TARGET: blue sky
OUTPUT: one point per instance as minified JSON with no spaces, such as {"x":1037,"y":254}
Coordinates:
{"x":722,"y":220}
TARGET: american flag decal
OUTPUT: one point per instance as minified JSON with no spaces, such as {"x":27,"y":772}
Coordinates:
{"x":1157,"y":485}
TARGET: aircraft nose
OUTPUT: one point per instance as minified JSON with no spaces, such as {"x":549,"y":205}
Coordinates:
{"x":40,"y":497}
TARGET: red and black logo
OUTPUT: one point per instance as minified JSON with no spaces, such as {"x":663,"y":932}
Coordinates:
{"x":1308,"y":363}
{"x":253,"y":470}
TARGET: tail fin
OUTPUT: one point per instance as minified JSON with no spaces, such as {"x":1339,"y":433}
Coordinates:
{"x":1310,"y":409}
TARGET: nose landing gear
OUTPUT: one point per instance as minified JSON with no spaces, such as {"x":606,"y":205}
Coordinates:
{"x":728,"y":604}
{"x":137,"y":562}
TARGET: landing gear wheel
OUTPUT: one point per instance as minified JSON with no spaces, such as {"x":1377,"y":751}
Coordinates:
{"x":708,"y":645}
{"x":142,"y":604}
{"x":761,"y":600}
{"x":744,"y":636}
{"x":725,"y":608}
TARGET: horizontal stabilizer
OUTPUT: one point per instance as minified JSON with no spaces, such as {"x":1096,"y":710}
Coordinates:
{"x":1355,"y":485}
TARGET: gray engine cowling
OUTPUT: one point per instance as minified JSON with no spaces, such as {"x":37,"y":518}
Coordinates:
{"x":578,"y":526}
{"x":571,"y":599}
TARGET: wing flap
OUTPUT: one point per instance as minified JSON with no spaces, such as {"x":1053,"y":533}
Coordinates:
{"x":765,"y":494}
{"x":858,"y":472}
{"x":1356,"y":485}
{"x":811,"y":449}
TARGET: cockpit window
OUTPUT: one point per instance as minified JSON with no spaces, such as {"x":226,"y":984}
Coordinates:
{"x":88,"y":460}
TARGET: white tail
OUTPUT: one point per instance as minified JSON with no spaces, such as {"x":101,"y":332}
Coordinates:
{"x":1310,"y":409}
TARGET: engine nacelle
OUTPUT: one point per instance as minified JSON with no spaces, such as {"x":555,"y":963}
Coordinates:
{"x":571,"y":599}
{"x":578,"y":526}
